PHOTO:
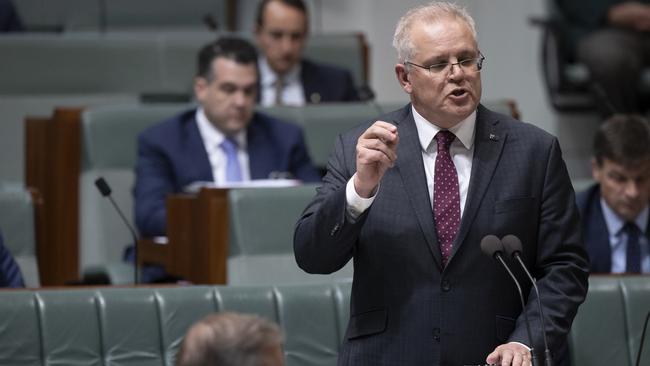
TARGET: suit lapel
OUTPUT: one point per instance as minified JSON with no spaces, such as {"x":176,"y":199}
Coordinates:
{"x":259,"y":156}
{"x":488,"y":145}
{"x":411,"y":169}
{"x":197,"y":154}
{"x":597,"y":236}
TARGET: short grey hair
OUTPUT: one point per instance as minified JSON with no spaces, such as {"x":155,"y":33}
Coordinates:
{"x":230,"y":339}
{"x":429,"y":13}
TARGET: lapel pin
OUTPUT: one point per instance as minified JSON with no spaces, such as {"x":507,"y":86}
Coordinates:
{"x":494,"y":137}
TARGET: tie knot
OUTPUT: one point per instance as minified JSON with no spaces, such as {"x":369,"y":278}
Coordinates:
{"x":444,"y":139}
{"x":229,"y":145}
{"x":631,"y":228}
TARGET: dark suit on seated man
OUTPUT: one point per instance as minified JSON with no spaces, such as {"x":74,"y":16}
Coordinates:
{"x":10,"y":275}
{"x":409,"y":198}
{"x":615,"y":218}
{"x":285,"y":77}
{"x":222,"y":141}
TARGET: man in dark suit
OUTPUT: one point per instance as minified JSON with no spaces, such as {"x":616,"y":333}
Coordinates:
{"x":615,"y":219}
{"x":10,"y":275}
{"x":409,"y":198}
{"x":222,"y":141}
{"x":285,"y":77}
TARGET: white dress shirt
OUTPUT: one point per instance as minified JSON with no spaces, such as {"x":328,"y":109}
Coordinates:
{"x":461,"y":151}
{"x":293,"y":93}
{"x":212,"y":138}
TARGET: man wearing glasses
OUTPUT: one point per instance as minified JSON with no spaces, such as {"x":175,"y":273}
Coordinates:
{"x":409,"y":197}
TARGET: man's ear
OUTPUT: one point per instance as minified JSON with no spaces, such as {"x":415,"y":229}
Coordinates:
{"x":596,"y":171}
{"x":403,"y":77}
{"x":200,"y":85}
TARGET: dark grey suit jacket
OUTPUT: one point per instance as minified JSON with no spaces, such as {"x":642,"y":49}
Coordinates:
{"x":405,"y":309}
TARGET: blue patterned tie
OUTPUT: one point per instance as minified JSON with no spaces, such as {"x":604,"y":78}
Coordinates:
{"x":633,"y":254}
{"x":446,"y":196}
{"x":233,"y":170}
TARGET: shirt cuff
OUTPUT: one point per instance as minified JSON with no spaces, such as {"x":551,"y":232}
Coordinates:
{"x":521,"y":344}
{"x":356,"y":204}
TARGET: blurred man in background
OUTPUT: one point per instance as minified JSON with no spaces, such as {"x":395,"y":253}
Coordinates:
{"x":615,"y":210}
{"x":286,"y":78}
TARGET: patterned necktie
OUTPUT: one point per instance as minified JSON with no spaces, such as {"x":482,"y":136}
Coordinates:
{"x":446,"y":196}
{"x":633,"y":252}
{"x":279,"y":88}
{"x":233,"y":170}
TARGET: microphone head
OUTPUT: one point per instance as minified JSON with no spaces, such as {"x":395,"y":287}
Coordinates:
{"x":512,"y":245}
{"x":491,"y":245}
{"x":103,"y":187}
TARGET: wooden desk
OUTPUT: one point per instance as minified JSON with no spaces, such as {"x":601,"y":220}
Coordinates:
{"x":198,"y":239}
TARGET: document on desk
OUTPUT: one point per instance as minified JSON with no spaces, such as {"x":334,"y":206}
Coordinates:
{"x":194,"y":187}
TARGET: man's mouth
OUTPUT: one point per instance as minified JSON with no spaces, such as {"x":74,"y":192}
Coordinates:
{"x":458,"y":92}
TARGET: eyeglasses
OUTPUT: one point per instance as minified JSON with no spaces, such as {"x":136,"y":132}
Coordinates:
{"x":469,"y":65}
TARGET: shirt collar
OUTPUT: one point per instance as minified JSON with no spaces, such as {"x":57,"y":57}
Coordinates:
{"x":464,"y":130}
{"x":212,"y":136}
{"x":615,"y":223}
{"x":268,"y":76}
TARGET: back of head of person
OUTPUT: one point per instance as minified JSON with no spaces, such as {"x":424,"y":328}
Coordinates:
{"x":232,"y":339}
{"x":226,"y":83}
{"x":621,"y":164}
{"x":281,"y":32}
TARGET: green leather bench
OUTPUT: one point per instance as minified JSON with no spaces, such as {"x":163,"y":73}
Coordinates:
{"x":145,"y":326}
{"x":608,"y":327}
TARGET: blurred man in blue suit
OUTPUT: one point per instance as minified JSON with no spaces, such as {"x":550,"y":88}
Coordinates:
{"x":10,"y":275}
{"x":223,"y":141}
{"x":286,"y":78}
{"x":614,"y":211}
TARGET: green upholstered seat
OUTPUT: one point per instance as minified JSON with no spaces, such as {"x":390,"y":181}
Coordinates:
{"x":601,"y":318}
{"x":18,"y":229}
{"x":262,"y":221}
{"x":108,"y":149}
{"x":145,"y":326}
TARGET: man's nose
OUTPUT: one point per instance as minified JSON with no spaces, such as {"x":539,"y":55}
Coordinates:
{"x":455,"y":72}
{"x":632,"y":189}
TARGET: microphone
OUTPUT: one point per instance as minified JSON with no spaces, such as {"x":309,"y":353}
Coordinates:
{"x":513,"y":247}
{"x":492,"y":246}
{"x":105,"y":191}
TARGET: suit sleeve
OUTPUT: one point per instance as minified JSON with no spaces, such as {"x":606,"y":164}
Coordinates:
{"x":153,"y":183}
{"x":10,"y":275}
{"x":301,"y":163}
{"x":561,"y":266}
{"x":324,"y":240}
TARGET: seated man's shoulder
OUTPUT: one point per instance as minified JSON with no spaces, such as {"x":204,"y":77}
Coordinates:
{"x":324,"y":69}
{"x":168,"y":127}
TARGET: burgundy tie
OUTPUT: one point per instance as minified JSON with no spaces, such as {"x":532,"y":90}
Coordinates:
{"x":446,"y":197}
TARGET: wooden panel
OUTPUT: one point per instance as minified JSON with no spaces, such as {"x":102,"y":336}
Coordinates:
{"x":52,"y":166}
{"x":198,"y":238}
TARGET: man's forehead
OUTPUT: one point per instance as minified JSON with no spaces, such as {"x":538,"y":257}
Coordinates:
{"x":633,"y":168}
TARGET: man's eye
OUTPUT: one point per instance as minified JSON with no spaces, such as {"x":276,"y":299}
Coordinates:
{"x":466,"y":62}
{"x":276,"y":35}
{"x":439,"y":67}
{"x":228,"y":89}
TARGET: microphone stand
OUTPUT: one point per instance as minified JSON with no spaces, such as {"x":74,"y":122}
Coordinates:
{"x":105,"y":191}
{"x":534,"y":361}
{"x":645,"y":328}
